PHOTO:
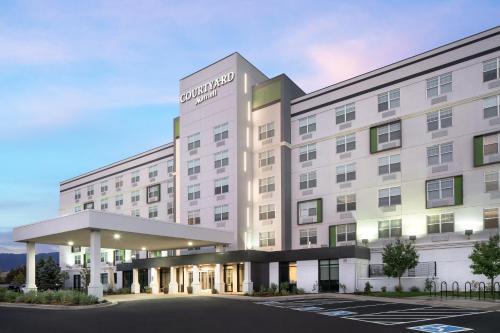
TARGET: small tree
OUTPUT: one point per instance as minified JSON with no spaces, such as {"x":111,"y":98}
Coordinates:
{"x":49,"y":275}
{"x":13,"y":273}
{"x":399,"y":257}
{"x":486,"y":259}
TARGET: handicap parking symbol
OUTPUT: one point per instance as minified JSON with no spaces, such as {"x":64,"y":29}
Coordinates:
{"x":439,"y":328}
{"x":338,"y":313}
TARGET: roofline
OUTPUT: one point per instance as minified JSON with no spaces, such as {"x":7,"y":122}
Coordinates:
{"x":399,"y":64}
{"x":217,"y":61}
{"x":123,"y":161}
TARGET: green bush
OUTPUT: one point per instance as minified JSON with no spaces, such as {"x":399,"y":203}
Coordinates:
{"x":368,"y":287}
{"x":398,"y":289}
{"x":383,"y":289}
{"x":415,"y":289}
{"x":69,"y":297}
{"x":274,"y":287}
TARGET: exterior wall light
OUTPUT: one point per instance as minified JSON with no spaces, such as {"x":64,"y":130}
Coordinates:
{"x":71,"y":243}
{"x":190,"y":243}
{"x":116,"y":236}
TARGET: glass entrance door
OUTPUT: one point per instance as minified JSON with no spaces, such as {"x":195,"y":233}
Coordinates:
{"x":228,"y":278}
{"x":143,"y":279}
{"x":77,"y":280}
{"x":240,"y":274}
{"x":328,"y":275}
{"x":207,"y":280}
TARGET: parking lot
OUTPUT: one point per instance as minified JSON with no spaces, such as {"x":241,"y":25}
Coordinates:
{"x":218,"y":314}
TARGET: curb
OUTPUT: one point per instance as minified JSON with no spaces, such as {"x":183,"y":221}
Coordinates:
{"x":56,"y":306}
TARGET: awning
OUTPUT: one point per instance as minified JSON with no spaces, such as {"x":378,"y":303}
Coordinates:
{"x":119,"y":232}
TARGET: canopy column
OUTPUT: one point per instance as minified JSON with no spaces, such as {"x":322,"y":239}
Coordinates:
{"x":95,"y":286}
{"x":30,"y":267}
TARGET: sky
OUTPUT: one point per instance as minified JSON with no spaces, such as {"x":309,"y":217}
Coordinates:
{"x":87,"y":83}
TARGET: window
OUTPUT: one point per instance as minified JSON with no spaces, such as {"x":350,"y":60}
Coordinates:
{"x":118,"y":182}
{"x":135,"y":197}
{"x":491,"y":143}
{"x":346,"y":172}
{"x":266,"y":238}
{"x":194,"y":217}
{"x":307,"y":125}
{"x":440,"y":223}
{"x":491,"y":181}
{"x":310,"y":211}
{"x":346,"y":233}
{"x":153,"y":171}
{"x":170,"y":208}
{"x":440,"y":189}
{"x":388,"y":100}
{"x":104,"y":204}
{"x":135,"y":213}
{"x":308,"y":237}
{"x":104,"y":256}
{"x":388,"y":133}
{"x":389,"y":196}
{"x":119,"y":255}
{"x":193,"y":167}
{"x":491,"y":69}
{"x":119,"y":200}
{"x":221,"y":132}
{"x":221,"y":159}
{"x":440,"y":154}
{"x":170,"y":186}
{"x":346,"y":143}
{"x":104,"y":186}
{"x":439,"y":119}
{"x":153,"y":212}
{"x":266,"y":158}
{"x":389,"y":228}
{"x":135,"y":177}
{"x":266,"y":131}
{"x":194,"y":141}
{"x":78,"y":195}
{"x":308,"y":180}
{"x":104,"y":278}
{"x":345,"y":113}
{"x":267,"y":212}
{"x":490,"y":217}
{"x":170,"y":166}
{"x":76,"y":249}
{"x":78,"y":208}
{"x":90,"y":190}
{"x":439,"y":85}
{"x":389,"y":164}
{"x":491,"y":106}
{"x":221,"y":186}
{"x":346,"y":203}
{"x":266,"y":185}
{"x":153,"y":193}
{"x":221,"y":213}
{"x":194,"y":192}
{"x":307,"y":152}
{"x":88,"y":205}
{"x":78,"y":259}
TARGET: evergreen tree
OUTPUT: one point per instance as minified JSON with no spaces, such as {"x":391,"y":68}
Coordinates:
{"x":399,"y":257}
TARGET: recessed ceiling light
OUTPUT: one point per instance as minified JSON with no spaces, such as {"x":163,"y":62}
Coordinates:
{"x":190,"y":243}
{"x":143,"y":248}
{"x":116,"y":236}
{"x":70,"y":243}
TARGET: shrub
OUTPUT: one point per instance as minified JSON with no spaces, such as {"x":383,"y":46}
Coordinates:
{"x":429,"y":284}
{"x":10,"y":296}
{"x":342,"y":287}
{"x":415,"y":289}
{"x":301,"y":291}
{"x":274,"y":287}
{"x":368,"y":287}
{"x":284,"y":286}
{"x":214,"y":291}
{"x":398,"y":289}
{"x":147,"y":290}
{"x":189,"y":289}
{"x":383,"y":289}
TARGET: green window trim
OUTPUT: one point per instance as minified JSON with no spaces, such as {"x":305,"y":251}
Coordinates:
{"x":319,"y":207}
{"x":459,"y":190}
{"x":266,"y":94}
{"x":478,"y":151}
{"x":332,"y":231}
{"x":373,"y":140}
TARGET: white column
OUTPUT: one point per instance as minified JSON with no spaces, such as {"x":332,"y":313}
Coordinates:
{"x":155,"y":285}
{"x":247,"y":278}
{"x":218,"y":281}
{"x":196,"y":280}
{"x":30,"y":267}
{"x":135,"y":287}
{"x":173,"y":286}
{"x":95,"y":286}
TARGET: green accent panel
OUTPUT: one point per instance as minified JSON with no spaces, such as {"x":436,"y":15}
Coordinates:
{"x":459,"y":190}
{"x":266,"y":94}
{"x":85,"y":260}
{"x":177,"y":128}
{"x":122,"y":253}
{"x":478,"y":151}
{"x":373,"y":140}
{"x":332,"y":236}
{"x":319,"y":207}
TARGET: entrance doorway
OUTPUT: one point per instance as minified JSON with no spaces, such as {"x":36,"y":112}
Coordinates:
{"x":77,"y":281}
{"x":143,"y":279}
{"x":228,"y":278}
{"x":207,"y":280}
{"x":127,"y":279}
{"x":164,"y":278}
{"x":328,"y":275}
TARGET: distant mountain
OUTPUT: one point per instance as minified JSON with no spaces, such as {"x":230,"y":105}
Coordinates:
{"x":12,"y":260}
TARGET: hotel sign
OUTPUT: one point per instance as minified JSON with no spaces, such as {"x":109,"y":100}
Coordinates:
{"x":207,"y":90}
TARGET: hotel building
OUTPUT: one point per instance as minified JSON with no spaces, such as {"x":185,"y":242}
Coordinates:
{"x":264,"y":183}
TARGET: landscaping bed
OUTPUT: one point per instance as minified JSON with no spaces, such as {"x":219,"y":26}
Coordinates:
{"x":61,"y":297}
{"x":284,"y":289}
